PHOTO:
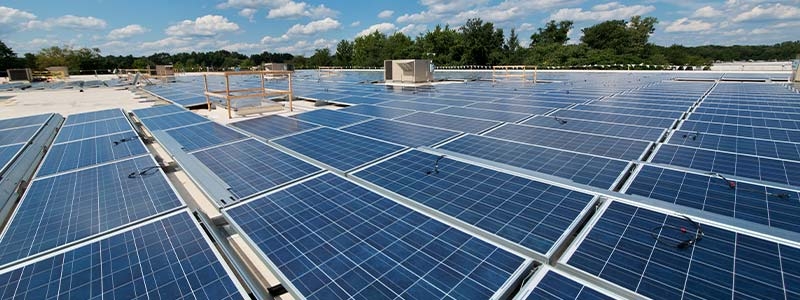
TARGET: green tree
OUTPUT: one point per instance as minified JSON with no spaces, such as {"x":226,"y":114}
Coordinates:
{"x":398,"y":46}
{"x":368,"y":50}
{"x":481,"y":40}
{"x":443,"y":45}
{"x":8,"y":59}
{"x":513,"y":52}
{"x":344,"y":54}
{"x":607,"y":35}
{"x":552,"y":33}
{"x":321,"y":57}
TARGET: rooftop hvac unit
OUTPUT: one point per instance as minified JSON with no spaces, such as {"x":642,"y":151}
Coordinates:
{"x":20,"y":75}
{"x":408,"y":70}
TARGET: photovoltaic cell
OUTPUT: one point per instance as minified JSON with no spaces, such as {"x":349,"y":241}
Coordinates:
{"x":330,"y":118}
{"x":613,"y":147}
{"x":203,"y":135}
{"x":378,"y":111}
{"x":760,"y":168}
{"x":59,"y":210}
{"x":24,"y":121}
{"x":333,"y":239}
{"x":528,"y":213}
{"x":73,"y":155}
{"x":449,"y":122}
{"x":621,"y":130}
{"x":358,"y":100}
{"x":660,"y":123}
{"x":172,"y":121}
{"x":167,"y":259}
{"x":7,"y":153}
{"x":157,"y":111}
{"x":582,"y":168}
{"x":748,"y":113}
{"x":191,"y":101}
{"x":630,"y":111}
{"x":17,"y":135}
{"x":338,"y":149}
{"x":553,"y":285}
{"x":775,"y":134}
{"x":273,"y":126}
{"x":402,"y":133}
{"x":94,"y":116}
{"x":530,"y":110}
{"x":756,"y":203}
{"x":417,"y":106}
{"x":746,"y":121}
{"x":621,"y":248}
{"x":93,"y":129}
{"x":485,"y":114}
{"x":758,"y":147}
{"x":250,"y":166}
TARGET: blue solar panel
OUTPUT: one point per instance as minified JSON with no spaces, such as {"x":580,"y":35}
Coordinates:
{"x":191,"y":101}
{"x":450,"y":122}
{"x":630,"y":111}
{"x":554,"y":285}
{"x":157,"y":111}
{"x":24,"y":121}
{"x":358,"y":100}
{"x":338,"y":149}
{"x":614,"y":118}
{"x":17,"y":135}
{"x":402,"y":133}
{"x":758,"y":147}
{"x":523,"y":109}
{"x":330,"y":118}
{"x":621,"y":248}
{"x":682,"y":107}
{"x":774,"y":134}
{"x":621,"y":130}
{"x":203,"y":135}
{"x":378,"y":111}
{"x":167,"y":259}
{"x":417,"y":106}
{"x":92,"y":129}
{"x":746,"y":121}
{"x":535,"y":103}
{"x":172,"y":121}
{"x":73,"y":155}
{"x":748,"y":113}
{"x":250,"y":166}
{"x":440,"y":101}
{"x":585,"y":169}
{"x":7,"y":153}
{"x":756,"y":203}
{"x":528,"y":213}
{"x":485,"y":114}
{"x":333,"y":239}
{"x":273,"y":126}
{"x":94,"y":116}
{"x":59,"y":210}
{"x":613,"y":147}
{"x":760,"y":168}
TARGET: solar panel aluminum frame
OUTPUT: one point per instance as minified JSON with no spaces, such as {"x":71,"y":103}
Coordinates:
{"x":47,"y":155}
{"x":99,"y":234}
{"x":130,"y":126}
{"x":697,"y":216}
{"x":80,"y":244}
{"x":557,"y":247}
{"x":122,"y":113}
{"x":515,"y":280}
{"x":543,"y":270}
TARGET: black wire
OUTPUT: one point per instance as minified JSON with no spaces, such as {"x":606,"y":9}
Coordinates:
{"x":684,"y":243}
{"x":733,"y":185}
{"x":128,"y":139}
{"x":560,"y":120}
{"x":143,"y":172}
{"x":435,"y":166}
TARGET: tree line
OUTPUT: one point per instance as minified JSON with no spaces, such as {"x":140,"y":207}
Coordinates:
{"x":613,"y":42}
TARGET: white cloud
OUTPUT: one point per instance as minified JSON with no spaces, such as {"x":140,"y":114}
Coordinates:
{"x":602,"y":12}
{"x":413,"y":30}
{"x":248,"y":13}
{"x":686,"y":25}
{"x":318,"y":26}
{"x":526,"y":27}
{"x":249,"y":3}
{"x":447,"y":6}
{"x":126,"y":32}
{"x":421,"y":17}
{"x":495,"y":15}
{"x":356,"y":23}
{"x":306,"y":47}
{"x":11,"y":16}
{"x":291,"y":9}
{"x":208,"y":25}
{"x":68,"y":22}
{"x":386,"y":14}
{"x":769,"y":12}
{"x":381,"y":27}
{"x":271,"y":39}
{"x":706,"y":12}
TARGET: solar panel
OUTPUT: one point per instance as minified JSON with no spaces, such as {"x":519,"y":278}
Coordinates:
{"x":402,"y":133}
{"x":582,"y":168}
{"x":550,"y":284}
{"x":635,"y":248}
{"x":417,"y":106}
{"x":350,"y":99}
{"x":93,"y":129}
{"x":532,"y":214}
{"x":24,"y":121}
{"x":191,"y":101}
{"x":166,"y":259}
{"x":330,"y":118}
{"x":157,"y":111}
{"x":72,"y":155}
{"x":613,"y":147}
{"x":7,"y":154}
{"x":775,"y":134}
{"x":615,"y":118}
{"x":250,"y":167}
{"x":746,"y":121}
{"x":621,"y":130}
{"x":485,"y":114}
{"x":748,"y":113}
{"x":449,"y":122}
{"x":534,"y":103}
{"x":203,"y":135}
{"x":440,"y":101}
{"x":758,"y":147}
{"x":273,"y":126}
{"x":172,"y":121}
{"x":332,"y":239}
{"x":523,"y":109}
{"x":17,"y":135}
{"x":59,"y":210}
{"x":337,"y":149}
{"x":757,"y":203}
{"x":682,"y":107}
{"x":377,"y":111}
{"x":629,"y":111}
{"x":94,"y":116}
{"x":760,"y":168}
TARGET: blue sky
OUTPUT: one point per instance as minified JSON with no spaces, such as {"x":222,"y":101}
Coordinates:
{"x":144,"y":27}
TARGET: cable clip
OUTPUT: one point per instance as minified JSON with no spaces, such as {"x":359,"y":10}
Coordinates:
{"x":128,"y":139}
{"x":144,"y":172}
{"x":435,"y":166}
{"x":560,"y":120}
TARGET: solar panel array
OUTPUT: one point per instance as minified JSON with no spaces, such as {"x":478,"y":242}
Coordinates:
{"x":16,"y":133}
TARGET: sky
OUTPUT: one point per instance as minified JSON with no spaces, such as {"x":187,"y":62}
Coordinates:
{"x":144,"y":27}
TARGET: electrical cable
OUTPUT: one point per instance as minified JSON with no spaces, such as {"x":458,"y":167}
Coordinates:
{"x":143,"y":172}
{"x":560,"y":120}
{"x":732,"y":185}
{"x":680,"y":243}
{"x":128,"y":139}
{"x":435,"y":169}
